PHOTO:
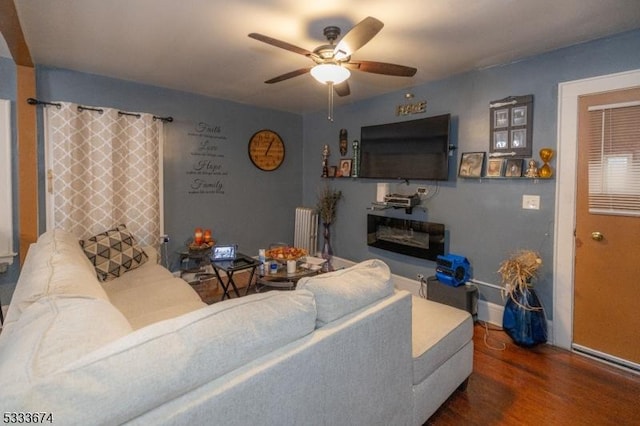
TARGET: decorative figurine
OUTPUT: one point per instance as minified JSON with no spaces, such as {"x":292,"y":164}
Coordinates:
{"x":343,"y":142}
{"x":325,"y":157}
{"x":532,"y":170}
{"x":356,"y":159}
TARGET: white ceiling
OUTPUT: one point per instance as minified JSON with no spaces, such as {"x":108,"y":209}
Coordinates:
{"x":201,"y":46}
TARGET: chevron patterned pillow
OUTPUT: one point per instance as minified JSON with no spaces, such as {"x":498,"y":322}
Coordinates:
{"x":113,"y":253}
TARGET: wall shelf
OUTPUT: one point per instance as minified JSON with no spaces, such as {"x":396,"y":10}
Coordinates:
{"x":503,"y":178}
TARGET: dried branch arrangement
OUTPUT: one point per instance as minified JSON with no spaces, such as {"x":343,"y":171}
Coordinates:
{"x":327,"y":204}
{"x":518,"y":271}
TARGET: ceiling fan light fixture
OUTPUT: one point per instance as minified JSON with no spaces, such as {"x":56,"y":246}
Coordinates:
{"x":330,"y":73}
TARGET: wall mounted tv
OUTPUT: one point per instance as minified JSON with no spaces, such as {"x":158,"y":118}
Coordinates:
{"x":415,"y":149}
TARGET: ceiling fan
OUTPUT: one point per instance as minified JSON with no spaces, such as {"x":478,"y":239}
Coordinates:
{"x":333,"y":61}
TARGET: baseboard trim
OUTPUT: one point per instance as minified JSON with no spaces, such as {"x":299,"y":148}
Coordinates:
{"x":490,"y":312}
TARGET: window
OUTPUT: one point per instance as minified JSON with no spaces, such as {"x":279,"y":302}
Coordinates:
{"x":614,"y":159}
{"x":6,"y":216}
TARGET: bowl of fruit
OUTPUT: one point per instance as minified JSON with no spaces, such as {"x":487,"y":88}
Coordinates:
{"x":284,"y":253}
{"x":201,"y":248}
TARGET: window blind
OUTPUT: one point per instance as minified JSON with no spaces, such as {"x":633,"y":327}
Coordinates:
{"x":614,"y":159}
{"x":6,"y":217}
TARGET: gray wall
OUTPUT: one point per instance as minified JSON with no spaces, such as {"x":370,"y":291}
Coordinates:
{"x":251,"y":208}
{"x":484,"y":218}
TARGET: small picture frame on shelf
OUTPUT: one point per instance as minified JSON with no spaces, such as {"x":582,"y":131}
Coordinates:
{"x":345,"y":167}
{"x":495,"y":167}
{"x":471,"y":164}
{"x":331,"y":171}
{"x":513,"y":167}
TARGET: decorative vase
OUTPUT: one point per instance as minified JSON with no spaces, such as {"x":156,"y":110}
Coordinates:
{"x":327,"y":251}
{"x":524,"y":319}
{"x":545,"y":155}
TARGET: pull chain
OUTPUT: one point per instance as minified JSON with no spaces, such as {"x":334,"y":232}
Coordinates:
{"x":330,"y":85}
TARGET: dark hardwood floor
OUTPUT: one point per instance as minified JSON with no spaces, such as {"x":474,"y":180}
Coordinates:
{"x":544,"y":385}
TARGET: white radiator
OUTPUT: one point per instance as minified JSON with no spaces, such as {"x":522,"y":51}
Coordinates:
{"x":306,"y":232}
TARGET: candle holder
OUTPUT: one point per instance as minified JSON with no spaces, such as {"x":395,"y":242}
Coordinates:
{"x":325,"y":158}
{"x":546,"y":154}
{"x":197,"y":236}
{"x":356,"y":159}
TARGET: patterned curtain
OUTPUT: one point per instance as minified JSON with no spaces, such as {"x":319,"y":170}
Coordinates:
{"x":104,"y":170}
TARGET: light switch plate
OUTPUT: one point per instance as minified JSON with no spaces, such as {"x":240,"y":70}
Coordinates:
{"x":531,"y":202}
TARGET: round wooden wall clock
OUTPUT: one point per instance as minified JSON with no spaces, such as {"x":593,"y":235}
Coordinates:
{"x":266,"y":150}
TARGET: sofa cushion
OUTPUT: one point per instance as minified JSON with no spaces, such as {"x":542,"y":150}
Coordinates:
{"x":55,"y":265}
{"x":439,"y":331}
{"x":114,"y":252}
{"x":158,"y":363}
{"x":150,"y":294}
{"x":54,"y":331}
{"x":344,"y":291}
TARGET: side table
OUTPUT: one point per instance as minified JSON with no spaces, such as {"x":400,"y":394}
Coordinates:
{"x":194,"y":261}
{"x":229,"y":267}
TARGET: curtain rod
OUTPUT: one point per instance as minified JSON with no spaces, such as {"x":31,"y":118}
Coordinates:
{"x":34,"y":101}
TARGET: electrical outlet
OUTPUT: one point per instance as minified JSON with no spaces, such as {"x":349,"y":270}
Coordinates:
{"x":531,"y":202}
{"x":421,"y":190}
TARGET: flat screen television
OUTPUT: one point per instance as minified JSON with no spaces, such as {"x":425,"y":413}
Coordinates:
{"x":414,"y":149}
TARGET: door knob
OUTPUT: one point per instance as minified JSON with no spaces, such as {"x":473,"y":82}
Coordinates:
{"x":597,"y":236}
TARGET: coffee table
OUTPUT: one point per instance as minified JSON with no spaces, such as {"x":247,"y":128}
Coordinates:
{"x":281,"y":279}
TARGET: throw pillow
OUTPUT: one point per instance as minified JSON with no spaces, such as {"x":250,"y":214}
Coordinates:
{"x":113,"y":253}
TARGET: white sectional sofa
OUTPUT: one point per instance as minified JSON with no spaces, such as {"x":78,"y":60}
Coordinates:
{"x":344,"y":348}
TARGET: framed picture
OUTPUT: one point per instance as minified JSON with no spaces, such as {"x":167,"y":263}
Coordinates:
{"x":331,"y":172}
{"x":471,"y":164}
{"x":495,"y":167}
{"x":513,"y":167}
{"x":511,"y":126}
{"x":500,"y":139}
{"x":345,"y":167}
{"x":518,"y":138}
{"x":519,"y":116}
{"x":501,"y":117}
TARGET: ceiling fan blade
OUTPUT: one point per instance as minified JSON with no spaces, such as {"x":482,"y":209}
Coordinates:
{"x":357,"y":37}
{"x":382,"y":68}
{"x":289,"y":75}
{"x":281,"y":44}
{"x":342,"y":89}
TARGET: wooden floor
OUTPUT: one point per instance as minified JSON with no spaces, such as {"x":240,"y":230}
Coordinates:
{"x":543,"y":385}
{"x":540,"y":386}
